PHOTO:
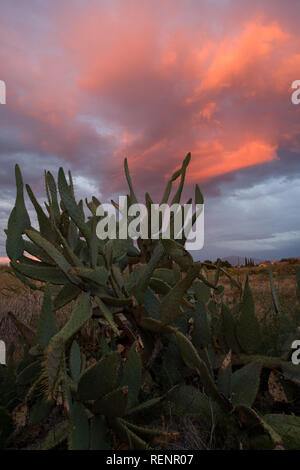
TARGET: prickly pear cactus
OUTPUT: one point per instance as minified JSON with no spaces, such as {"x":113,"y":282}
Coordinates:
{"x":162,"y":335}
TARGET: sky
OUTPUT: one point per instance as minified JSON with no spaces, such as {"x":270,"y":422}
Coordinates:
{"x":90,"y":82}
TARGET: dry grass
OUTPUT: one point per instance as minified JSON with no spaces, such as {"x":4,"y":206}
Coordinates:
{"x":284,"y":281}
{"x":25,"y":303}
{"x":18,"y":299}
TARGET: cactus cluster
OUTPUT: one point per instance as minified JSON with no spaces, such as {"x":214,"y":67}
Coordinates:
{"x":165,"y":337}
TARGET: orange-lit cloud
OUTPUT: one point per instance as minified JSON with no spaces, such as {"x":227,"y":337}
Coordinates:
{"x":224,"y":161}
{"x":235,"y":60}
{"x":170,"y":90}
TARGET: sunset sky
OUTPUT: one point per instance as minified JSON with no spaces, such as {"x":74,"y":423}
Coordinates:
{"x":90,"y":82}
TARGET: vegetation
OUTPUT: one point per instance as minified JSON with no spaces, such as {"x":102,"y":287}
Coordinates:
{"x":249,"y":262}
{"x":150,"y":346}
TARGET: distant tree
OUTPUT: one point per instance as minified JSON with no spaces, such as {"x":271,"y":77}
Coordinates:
{"x":207,"y":261}
{"x":226,"y":264}
{"x":249,"y":262}
{"x":223,"y":264}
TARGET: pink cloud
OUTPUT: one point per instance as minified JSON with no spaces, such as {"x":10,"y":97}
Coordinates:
{"x":222,"y":161}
